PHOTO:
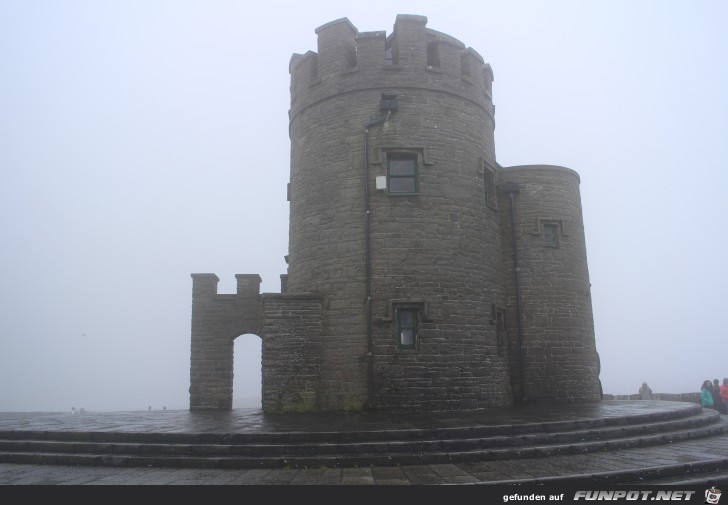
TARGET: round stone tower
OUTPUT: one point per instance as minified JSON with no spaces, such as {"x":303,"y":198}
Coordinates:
{"x":554,"y":358}
{"x":394,"y":218}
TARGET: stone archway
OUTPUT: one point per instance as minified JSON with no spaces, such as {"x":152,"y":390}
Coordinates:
{"x":247,"y":371}
{"x":217,"y":320}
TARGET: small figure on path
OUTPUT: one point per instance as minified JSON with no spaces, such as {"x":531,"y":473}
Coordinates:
{"x":718,"y":402}
{"x":645,"y":392}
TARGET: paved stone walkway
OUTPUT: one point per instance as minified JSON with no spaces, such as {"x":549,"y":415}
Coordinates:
{"x":255,"y":421}
{"x":238,"y":421}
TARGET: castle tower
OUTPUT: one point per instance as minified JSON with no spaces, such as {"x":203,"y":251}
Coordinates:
{"x":422,"y":275}
{"x":410,"y":271}
{"x":553,"y":350}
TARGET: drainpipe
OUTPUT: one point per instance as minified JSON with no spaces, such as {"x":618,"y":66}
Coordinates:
{"x":512,"y":189}
{"x":368,"y":253}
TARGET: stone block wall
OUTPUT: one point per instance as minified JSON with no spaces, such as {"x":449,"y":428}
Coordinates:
{"x":292,"y":353}
{"x":216,"y":321}
{"x":558,"y":348}
{"x":672,"y":397}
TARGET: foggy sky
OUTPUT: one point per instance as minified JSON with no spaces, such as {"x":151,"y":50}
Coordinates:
{"x":142,"y":141}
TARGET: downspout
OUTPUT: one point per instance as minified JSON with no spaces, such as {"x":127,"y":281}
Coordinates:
{"x":512,"y":189}
{"x":367,"y":258}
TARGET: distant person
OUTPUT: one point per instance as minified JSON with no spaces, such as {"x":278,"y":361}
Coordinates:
{"x":718,"y":402}
{"x":706,"y":394}
{"x":723,"y":392}
{"x":645,"y":392}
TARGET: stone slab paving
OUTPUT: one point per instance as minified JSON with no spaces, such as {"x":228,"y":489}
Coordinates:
{"x":254,"y":421}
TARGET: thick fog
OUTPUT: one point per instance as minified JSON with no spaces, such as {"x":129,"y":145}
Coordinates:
{"x":145,"y":140}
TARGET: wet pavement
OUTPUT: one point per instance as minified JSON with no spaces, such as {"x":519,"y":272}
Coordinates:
{"x":510,"y":471}
{"x":255,"y":421}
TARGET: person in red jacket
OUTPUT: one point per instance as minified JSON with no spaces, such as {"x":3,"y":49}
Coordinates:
{"x":724,"y":391}
{"x":718,"y":402}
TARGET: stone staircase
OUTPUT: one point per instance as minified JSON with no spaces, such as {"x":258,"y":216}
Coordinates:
{"x":387,"y":447}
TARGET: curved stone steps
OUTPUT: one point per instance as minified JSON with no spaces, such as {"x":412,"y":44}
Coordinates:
{"x":377,"y":448}
{"x":375,"y":442}
{"x":707,"y":472}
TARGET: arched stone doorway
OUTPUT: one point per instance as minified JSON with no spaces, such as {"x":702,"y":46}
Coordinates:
{"x":247,"y":372}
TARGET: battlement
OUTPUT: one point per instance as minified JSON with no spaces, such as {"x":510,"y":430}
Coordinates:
{"x":412,"y":55}
{"x":204,"y":285}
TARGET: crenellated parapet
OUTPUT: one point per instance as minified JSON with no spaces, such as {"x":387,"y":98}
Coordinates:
{"x":411,"y":56}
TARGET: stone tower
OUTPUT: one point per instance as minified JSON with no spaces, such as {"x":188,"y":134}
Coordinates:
{"x":422,"y":275}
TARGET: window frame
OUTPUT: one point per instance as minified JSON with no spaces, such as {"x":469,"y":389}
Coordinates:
{"x":433,"y":54}
{"x":388,"y":56}
{"x":550,"y":239}
{"x":501,"y":329}
{"x":414,"y":327}
{"x":415,"y":176}
{"x":391,"y":53}
{"x":490,"y":184}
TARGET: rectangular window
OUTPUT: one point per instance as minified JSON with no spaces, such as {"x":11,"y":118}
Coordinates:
{"x":550,"y":235}
{"x":489,"y":181}
{"x":350,"y":56}
{"x":390,"y":51}
{"x":402,"y":173}
{"x":407,"y":328}
{"x":388,"y":59}
{"x":500,"y":330}
{"x":433,"y":54}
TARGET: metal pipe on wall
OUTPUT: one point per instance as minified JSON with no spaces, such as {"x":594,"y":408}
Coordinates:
{"x":512,"y":189}
{"x":367,"y":258}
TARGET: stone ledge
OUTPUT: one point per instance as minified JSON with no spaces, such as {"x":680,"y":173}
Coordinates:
{"x":673,"y":397}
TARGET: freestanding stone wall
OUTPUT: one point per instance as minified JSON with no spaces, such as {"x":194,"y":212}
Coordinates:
{"x":216,"y":321}
{"x":401,"y":291}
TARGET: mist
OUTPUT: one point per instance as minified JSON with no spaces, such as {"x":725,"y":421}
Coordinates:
{"x":143,"y":141}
